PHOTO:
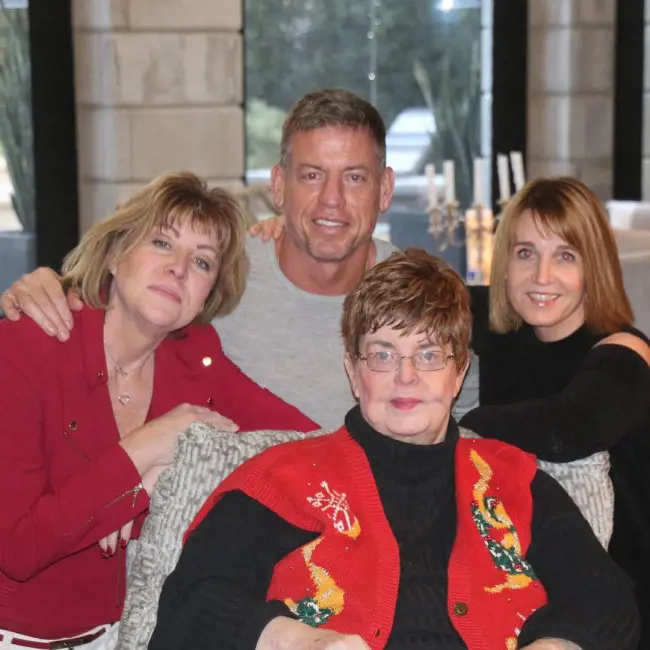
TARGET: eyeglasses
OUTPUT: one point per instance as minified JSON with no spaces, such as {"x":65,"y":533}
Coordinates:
{"x":387,"y":361}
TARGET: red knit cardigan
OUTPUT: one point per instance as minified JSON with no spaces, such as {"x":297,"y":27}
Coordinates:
{"x":347,"y":579}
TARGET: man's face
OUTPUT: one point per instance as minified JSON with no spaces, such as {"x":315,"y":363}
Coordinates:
{"x":333,"y":191}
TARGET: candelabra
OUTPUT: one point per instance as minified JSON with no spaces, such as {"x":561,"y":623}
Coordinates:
{"x":446,"y":221}
{"x":444,"y":224}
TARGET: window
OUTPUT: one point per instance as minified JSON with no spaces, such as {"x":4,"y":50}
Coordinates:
{"x":419,"y":62}
{"x":17,"y":201}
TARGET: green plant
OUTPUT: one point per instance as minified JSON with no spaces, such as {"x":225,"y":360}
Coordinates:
{"x":264,"y":131}
{"x":16,"y":134}
{"x":451,"y":89}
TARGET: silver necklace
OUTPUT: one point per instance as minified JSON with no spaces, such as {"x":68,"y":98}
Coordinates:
{"x":123,"y":398}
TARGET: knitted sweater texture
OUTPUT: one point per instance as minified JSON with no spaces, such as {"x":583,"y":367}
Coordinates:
{"x":217,"y":595}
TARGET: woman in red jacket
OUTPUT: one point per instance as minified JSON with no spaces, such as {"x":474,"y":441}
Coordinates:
{"x":88,"y":427}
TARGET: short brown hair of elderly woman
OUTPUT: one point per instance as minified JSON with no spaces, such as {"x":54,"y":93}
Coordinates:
{"x":416,"y":292}
{"x":89,"y":426}
{"x":394,"y":531}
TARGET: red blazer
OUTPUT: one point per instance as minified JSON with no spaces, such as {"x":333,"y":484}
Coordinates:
{"x":65,"y":482}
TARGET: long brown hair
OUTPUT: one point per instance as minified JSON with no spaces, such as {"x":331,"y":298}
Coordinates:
{"x":570,"y":210}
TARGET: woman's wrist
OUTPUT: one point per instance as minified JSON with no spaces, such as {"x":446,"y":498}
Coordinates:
{"x":139,"y":453}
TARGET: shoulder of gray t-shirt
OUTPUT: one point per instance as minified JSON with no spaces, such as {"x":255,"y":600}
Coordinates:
{"x":288,"y":340}
{"x":265,"y":271}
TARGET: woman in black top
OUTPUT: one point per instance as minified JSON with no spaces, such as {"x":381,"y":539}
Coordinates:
{"x":563,"y":373}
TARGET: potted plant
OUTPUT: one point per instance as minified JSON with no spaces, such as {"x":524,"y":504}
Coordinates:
{"x":451,"y":91}
{"x":17,"y":247}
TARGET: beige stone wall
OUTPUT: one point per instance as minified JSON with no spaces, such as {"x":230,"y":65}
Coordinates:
{"x":159,"y":86}
{"x":571,"y":90}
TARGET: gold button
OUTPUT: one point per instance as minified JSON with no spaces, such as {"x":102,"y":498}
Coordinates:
{"x":209,"y":401}
{"x":460,"y":609}
{"x":207,"y":361}
{"x":73,"y":425}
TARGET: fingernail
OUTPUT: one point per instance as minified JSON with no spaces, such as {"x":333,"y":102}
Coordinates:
{"x":123,"y":543}
{"x":105,"y":554}
{"x":63,"y":336}
{"x":50,"y":330}
{"x":68,"y":324}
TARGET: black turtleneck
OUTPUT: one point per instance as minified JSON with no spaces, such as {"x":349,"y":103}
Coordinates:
{"x":416,"y":488}
{"x":215,"y":598}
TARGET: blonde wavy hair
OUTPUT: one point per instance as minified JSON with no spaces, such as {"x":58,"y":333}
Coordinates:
{"x":568,"y":208}
{"x":160,"y":204}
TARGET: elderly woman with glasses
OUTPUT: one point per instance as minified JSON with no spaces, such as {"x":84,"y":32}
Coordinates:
{"x":395,"y":531}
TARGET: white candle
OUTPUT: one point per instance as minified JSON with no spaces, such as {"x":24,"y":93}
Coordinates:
{"x":503,"y":172}
{"x":517,"y":162}
{"x":479,"y":245}
{"x":450,"y":182}
{"x":432,"y":194}
{"x":479,"y":179}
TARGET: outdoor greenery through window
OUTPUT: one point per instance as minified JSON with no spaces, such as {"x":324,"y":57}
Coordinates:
{"x":17,"y":199}
{"x":418,"y":61}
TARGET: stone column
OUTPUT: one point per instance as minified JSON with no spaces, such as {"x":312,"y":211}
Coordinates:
{"x":571,"y":90}
{"x":159,"y":87}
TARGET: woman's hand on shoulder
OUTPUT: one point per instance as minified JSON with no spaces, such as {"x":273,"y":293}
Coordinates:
{"x":40,"y":296}
{"x":154,"y":444}
{"x":630,"y":341}
{"x":268,"y":229}
{"x":284,"y":633}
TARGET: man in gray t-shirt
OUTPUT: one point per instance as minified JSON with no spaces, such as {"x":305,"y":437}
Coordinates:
{"x":331,"y":183}
{"x":288,"y":339}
